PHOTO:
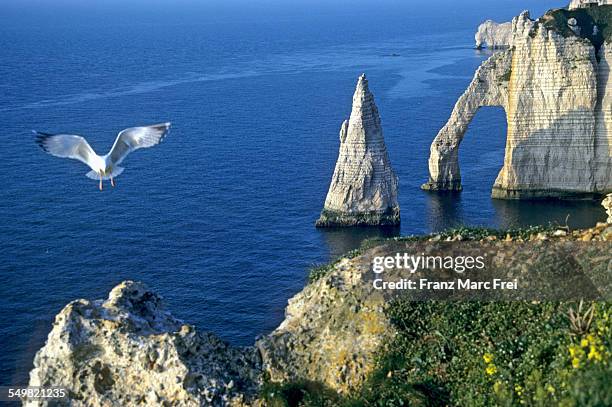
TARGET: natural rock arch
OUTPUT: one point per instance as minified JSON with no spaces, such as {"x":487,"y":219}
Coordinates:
{"x":557,"y":96}
{"x":488,"y":88}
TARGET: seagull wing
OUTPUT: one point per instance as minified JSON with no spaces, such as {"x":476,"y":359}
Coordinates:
{"x":134,"y":138}
{"x":66,"y":146}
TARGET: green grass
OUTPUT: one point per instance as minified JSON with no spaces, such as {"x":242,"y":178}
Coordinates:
{"x":302,"y":393}
{"x":318,"y":272}
{"x":467,"y":234}
{"x":479,"y":354}
{"x":587,"y":18}
{"x":476,"y":353}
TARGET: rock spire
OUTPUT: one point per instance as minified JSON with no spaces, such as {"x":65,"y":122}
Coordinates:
{"x":363,"y":189}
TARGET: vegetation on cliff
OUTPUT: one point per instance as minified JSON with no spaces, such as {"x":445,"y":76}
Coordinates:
{"x":470,"y":353}
{"x":481,"y":353}
{"x":586,"y":18}
{"x":345,"y":343}
{"x":478,"y":354}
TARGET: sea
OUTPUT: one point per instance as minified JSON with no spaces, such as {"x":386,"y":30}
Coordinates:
{"x":219,"y":219}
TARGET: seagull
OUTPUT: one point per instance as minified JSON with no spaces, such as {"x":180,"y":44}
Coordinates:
{"x":106,"y":166}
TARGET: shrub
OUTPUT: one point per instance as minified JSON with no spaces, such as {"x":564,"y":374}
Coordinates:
{"x":477,"y":354}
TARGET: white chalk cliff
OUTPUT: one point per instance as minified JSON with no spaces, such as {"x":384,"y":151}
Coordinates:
{"x":493,"y":35}
{"x":363,"y":189}
{"x":555,"y":89}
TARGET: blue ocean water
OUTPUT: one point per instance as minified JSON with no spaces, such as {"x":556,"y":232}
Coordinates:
{"x":219,"y":219}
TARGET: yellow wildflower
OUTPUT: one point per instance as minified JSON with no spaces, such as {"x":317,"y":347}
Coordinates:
{"x":488,"y":358}
{"x":518,"y":389}
{"x":594,"y":354}
{"x":574,"y":350}
{"x":575,"y":363}
{"x":584,"y":343}
{"x":491,"y":370}
{"x":550,"y":389}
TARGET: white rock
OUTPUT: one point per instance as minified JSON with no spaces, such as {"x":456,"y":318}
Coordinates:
{"x":488,"y":88}
{"x":129,"y":351}
{"x":607,"y":204}
{"x":494,"y":35}
{"x":572,"y":23}
{"x":363,"y":189}
{"x":332,"y":330}
{"x":558,"y":102}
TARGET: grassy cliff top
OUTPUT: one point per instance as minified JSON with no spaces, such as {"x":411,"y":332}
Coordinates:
{"x":475,"y":353}
{"x":587,"y":18}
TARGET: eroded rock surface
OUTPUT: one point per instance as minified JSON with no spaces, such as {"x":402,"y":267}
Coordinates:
{"x":363,"y":189}
{"x":331,"y":331}
{"x":493,"y":35}
{"x":555,"y":89}
{"x":129,"y":351}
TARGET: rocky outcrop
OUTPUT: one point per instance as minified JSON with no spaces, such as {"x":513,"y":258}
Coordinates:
{"x":363,"y":189}
{"x":129,"y":351}
{"x":493,"y":35}
{"x":554,"y":87}
{"x":607,"y":204}
{"x":576,"y":4}
{"x":332,"y":330}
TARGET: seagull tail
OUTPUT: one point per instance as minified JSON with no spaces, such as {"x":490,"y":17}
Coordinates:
{"x":94,"y":175}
